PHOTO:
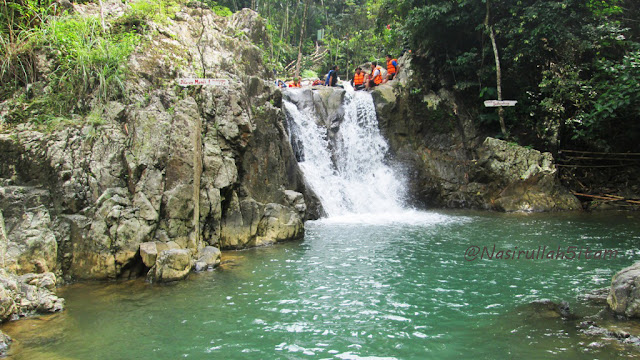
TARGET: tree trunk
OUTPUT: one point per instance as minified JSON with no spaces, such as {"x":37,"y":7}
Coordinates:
{"x":302,"y":29}
{"x":492,"y":35}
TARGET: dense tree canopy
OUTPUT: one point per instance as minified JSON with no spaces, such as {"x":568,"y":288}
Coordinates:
{"x":573,"y":65}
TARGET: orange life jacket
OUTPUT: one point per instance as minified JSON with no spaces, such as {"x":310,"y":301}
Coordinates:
{"x":358,"y":79}
{"x":390,"y":68}
{"x":378,"y":79}
{"x":294,"y":85}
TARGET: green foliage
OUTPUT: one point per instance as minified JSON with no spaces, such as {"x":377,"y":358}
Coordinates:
{"x":614,"y":103}
{"x":353,"y":34}
{"x":157,"y":10}
{"x":220,"y":10}
{"x":570,"y":64}
{"x":89,"y":61}
{"x":18,"y":20}
{"x":309,"y":74}
{"x":604,"y":7}
{"x":86,"y":66}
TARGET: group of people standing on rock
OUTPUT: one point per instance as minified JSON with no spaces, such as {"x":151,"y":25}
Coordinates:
{"x":361,"y":80}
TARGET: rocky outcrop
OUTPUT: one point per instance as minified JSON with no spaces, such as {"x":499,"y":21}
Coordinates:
{"x":172,"y":265}
{"x":5,"y":342}
{"x":624,"y":294}
{"x":449,"y":164}
{"x":521,"y":179}
{"x":250,"y":223}
{"x":165,"y":173}
{"x":27,"y":295}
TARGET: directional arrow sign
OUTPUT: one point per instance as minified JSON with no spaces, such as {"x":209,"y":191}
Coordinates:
{"x":496,"y":103}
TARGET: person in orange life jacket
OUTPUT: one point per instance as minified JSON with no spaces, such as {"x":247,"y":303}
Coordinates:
{"x":295,"y":83}
{"x":392,"y":68}
{"x":358,"y":79}
{"x":375,"y":78}
{"x":332,"y":76}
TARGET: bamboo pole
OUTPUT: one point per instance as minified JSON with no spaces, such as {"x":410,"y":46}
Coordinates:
{"x":607,"y":197}
{"x":599,"y":153}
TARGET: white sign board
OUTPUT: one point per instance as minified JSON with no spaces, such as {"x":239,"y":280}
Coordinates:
{"x":496,"y":103}
{"x":213,"y":82}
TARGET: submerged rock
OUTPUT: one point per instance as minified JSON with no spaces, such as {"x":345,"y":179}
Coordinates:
{"x":593,"y":329}
{"x":545,"y":309}
{"x":624,"y":294}
{"x":596,"y":297}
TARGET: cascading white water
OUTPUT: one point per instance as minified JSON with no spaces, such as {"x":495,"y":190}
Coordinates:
{"x":357,"y":180}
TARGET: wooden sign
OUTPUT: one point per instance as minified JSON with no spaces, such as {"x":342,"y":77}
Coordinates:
{"x":497,"y":103}
{"x":210,"y":82}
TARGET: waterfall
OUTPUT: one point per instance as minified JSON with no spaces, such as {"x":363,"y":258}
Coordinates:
{"x":347,"y":167}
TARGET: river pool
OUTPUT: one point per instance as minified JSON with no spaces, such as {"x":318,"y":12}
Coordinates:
{"x":359,"y":290}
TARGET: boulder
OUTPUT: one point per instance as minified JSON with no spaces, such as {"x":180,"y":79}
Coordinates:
{"x":624,"y":294}
{"x":210,"y":256}
{"x":148,"y":253}
{"x":525,"y":179}
{"x":279,"y":223}
{"x":172,"y":265}
{"x":250,"y":223}
{"x":296,"y":200}
{"x":240,"y":223}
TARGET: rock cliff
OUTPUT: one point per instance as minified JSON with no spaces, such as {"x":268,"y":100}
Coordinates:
{"x":450,"y":164}
{"x":171,"y":170}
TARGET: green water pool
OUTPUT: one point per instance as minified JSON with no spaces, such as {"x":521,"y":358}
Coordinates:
{"x":358,"y":290}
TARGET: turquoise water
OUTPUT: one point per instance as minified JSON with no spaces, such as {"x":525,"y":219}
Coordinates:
{"x":356,"y":291}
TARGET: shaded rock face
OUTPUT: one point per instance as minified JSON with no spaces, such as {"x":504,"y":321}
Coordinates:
{"x":624,"y":294}
{"x":166,"y":171}
{"x":449,"y":164}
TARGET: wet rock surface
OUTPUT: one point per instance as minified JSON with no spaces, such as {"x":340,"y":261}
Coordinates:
{"x":624,"y":294}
